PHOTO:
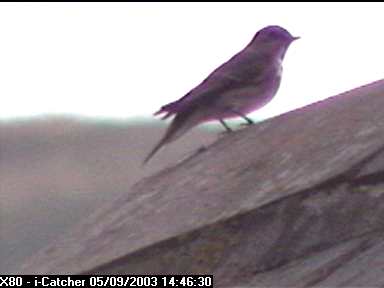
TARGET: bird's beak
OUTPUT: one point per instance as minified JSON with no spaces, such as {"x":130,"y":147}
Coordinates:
{"x":295,"y":38}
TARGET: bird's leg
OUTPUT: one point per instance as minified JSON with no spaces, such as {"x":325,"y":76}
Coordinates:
{"x":227,"y":129}
{"x":249,"y":120}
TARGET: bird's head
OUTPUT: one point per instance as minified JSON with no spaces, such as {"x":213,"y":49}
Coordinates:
{"x":274,"y":39}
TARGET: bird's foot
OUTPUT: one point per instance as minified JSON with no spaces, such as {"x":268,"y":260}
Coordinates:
{"x":247,"y":124}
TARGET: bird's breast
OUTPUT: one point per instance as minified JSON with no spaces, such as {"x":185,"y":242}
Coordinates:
{"x":252,"y":96}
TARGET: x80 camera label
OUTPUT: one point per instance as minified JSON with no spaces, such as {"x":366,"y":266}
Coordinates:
{"x":32,"y":281}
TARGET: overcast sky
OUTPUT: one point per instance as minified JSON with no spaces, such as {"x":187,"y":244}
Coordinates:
{"x":127,"y":59}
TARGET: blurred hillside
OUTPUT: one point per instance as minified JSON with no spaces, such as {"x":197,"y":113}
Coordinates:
{"x":56,"y":170}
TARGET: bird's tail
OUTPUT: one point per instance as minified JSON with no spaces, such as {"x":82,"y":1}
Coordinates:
{"x":169,"y":110}
{"x":180,"y":125}
{"x":174,"y":107}
{"x":161,"y":143}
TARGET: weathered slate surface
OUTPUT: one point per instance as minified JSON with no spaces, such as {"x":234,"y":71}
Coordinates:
{"x":297,"y":200}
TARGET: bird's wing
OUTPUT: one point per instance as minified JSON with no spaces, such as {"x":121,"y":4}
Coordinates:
{"x":240,"y":70}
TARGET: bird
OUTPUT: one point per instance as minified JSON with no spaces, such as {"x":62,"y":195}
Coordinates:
{"x":243,"y":84}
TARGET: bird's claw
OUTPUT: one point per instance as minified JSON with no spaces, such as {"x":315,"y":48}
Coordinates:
{"x":247,"y":124}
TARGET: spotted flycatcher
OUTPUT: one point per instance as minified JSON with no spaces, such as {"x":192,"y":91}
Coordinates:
{"x":246,"y":82}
